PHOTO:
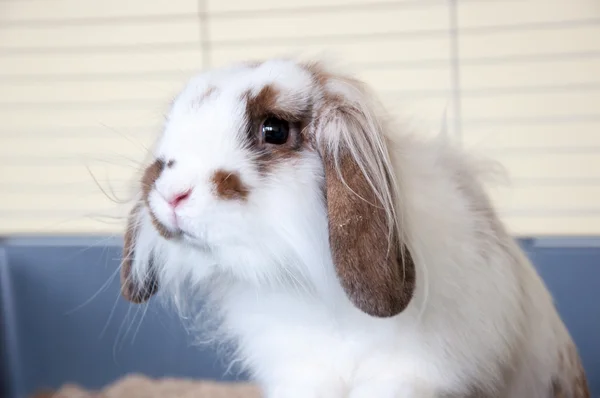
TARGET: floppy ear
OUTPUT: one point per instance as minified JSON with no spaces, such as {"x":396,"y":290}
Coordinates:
{"x":373,"y":265}
{"x":135,"y":287}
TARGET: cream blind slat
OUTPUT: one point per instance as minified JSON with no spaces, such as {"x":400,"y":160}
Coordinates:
{"x":338,"y":23}
{"x":548,"y":42}
{"x":83,"y":145}
{"x":550,"y":165}
{"x":88,"y":83}
{"x":523,"y":137}
{"x":60,"y":224}
{"x":133,"y":64}
{"x":33,"y":38}
{"x":570,"y":103}
{"x":553,"y":198}
{"x":54,"y":171}
{"x":75,"y":10}
{"x":20,"y":118}
{"x":44,"y":92}
{"x":517,"y":75}
{"x":532,"y":223}
{"x":525,"y":13}
{"x":54,"y":204}
{"x":218,"y":8}
{"x":407,"y":80}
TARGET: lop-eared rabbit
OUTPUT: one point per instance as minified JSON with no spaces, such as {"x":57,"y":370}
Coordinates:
{"x":341,"y":255}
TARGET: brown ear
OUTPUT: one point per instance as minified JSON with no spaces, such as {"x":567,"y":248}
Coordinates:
{"x":377,"y":278}
{"x":131,"y":288}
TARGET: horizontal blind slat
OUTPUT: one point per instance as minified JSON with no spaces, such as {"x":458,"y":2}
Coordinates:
{"x":341,"y":24}
{"x":525,"y":14}
{"x":314,"y":6}
{"x":36,"y":38}
{"x":550,"y":136}
{"x":177,"y":62}
{"x":61,"y":10}
{"x":158,"y":90}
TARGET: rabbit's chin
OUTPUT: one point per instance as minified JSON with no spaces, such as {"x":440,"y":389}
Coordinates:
{"x":194,"y":242}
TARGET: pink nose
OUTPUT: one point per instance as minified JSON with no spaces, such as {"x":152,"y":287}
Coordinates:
{"x":177,"y":199}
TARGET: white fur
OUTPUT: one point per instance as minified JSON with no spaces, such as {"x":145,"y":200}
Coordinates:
{"x":267,"y":271}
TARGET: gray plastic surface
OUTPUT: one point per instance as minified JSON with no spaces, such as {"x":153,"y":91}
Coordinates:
{"x":64,"y":321}
{"x":68,"y":323}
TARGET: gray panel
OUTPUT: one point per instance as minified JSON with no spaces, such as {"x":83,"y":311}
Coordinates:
{"x":66,"y":322}
{"x":75,"y":327}
{"x":9,"y":356}
{"x":573,"y":275}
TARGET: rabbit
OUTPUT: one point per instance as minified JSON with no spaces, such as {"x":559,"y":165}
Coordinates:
{"x":341,"y":254}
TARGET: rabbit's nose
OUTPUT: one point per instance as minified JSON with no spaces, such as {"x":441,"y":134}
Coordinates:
{"x":178,"y":198}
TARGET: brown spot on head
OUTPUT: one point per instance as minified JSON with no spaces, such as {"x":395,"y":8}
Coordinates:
{"x":170,"y":163}
{"x":270,"y":103}
{"x":228,"y":185}
{"x":263,"y":104}
{"x":319,"y":73}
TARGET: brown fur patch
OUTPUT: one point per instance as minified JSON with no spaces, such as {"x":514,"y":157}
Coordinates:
{"x":571,"y":382}
{"x":150,"y":176}
{"x":259,"y":106}
{"x":378,"y":279}
{"x":229,"y":186}
{"x":265,"y":104}
{"x":162,"y":230}
{"x":129,"y":289}
{"x":377,"y":283}
{"x":319,"y":73}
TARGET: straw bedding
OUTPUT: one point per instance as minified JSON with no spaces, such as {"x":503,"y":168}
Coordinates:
{"x":138,"y":386}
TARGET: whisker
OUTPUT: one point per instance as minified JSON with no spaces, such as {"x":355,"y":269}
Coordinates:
{"x":110,"y":315}
{"x":89,"y":300}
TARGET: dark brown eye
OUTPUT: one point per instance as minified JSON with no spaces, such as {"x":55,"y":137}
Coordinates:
{"x":275,"y":131}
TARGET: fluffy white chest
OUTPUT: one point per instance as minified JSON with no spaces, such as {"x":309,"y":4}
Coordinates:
{"x":304,"y":345}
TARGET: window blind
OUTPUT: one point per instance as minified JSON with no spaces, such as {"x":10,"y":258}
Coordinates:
{"x":84,"y":86}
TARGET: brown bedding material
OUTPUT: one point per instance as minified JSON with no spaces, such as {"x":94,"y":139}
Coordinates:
{"x":138,"y":386}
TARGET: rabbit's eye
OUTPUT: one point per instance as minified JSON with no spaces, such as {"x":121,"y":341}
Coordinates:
{"x":275,"y":131}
